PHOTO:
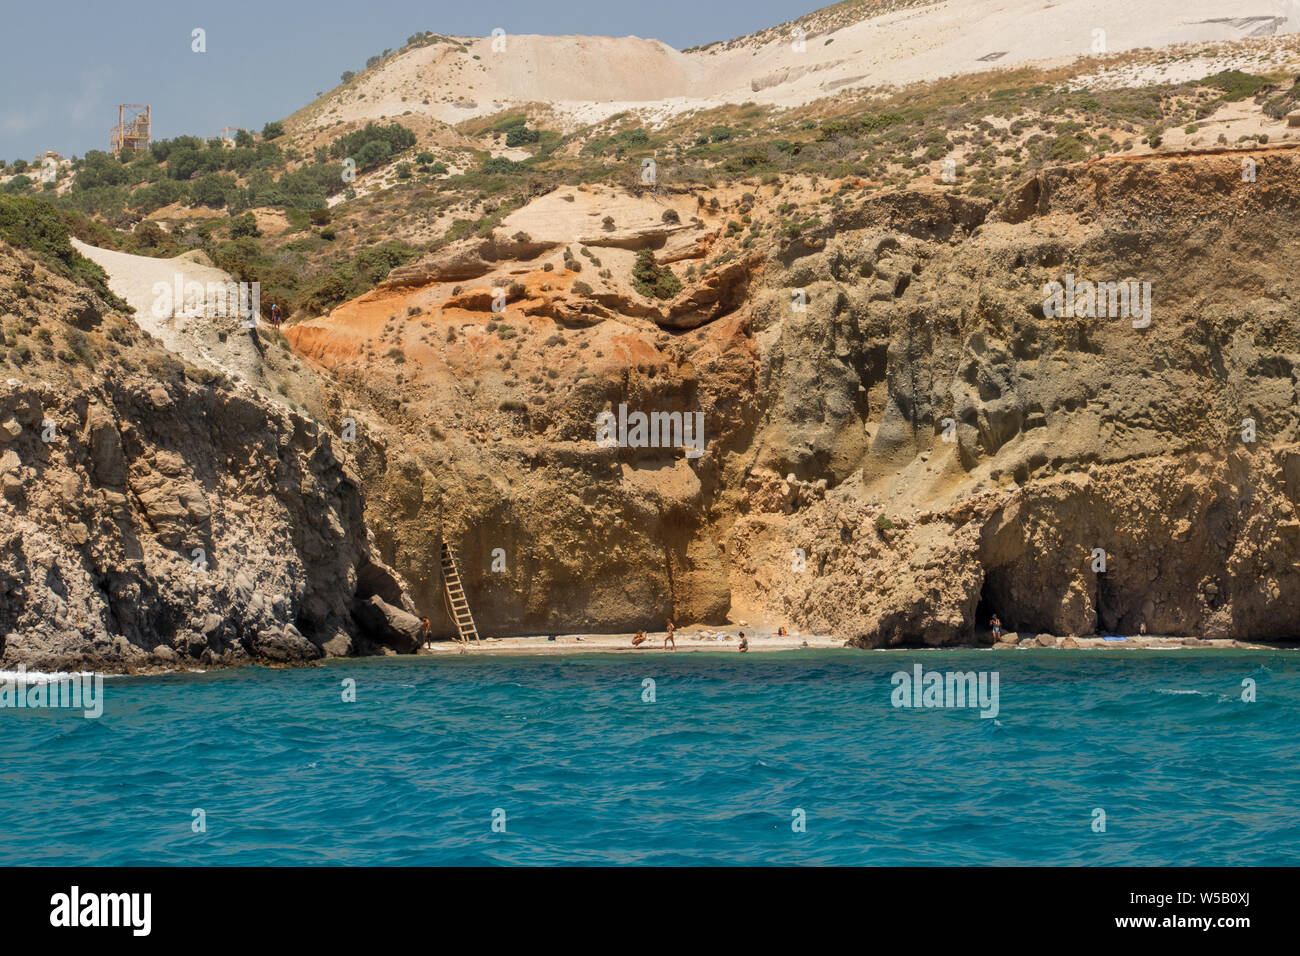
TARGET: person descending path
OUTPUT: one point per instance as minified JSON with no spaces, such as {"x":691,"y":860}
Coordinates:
{"x":276,"y":316}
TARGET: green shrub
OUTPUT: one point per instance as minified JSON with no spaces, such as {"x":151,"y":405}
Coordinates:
{"x":35,"y":225}
{"x":98,"y":168}
{"x":214,"y":190}
{"x":159,"y":194}
{"x":653,"y":280}
{"x":375,"y":262}
{"x":244,"y":226}
{"x":394,"y":135}
{"x":521,"y":135}
{"x":497,"y":165}
{"x":373,"y":154}
{"x":1235,"y":85}
{"x":273,"y":130}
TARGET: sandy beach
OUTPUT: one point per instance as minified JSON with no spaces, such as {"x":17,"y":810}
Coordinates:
{"x":697,"y":640}
{"x":691,"y":640}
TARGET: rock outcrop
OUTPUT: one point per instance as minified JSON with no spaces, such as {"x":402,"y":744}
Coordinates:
{"x":154,"y":515}
{"x":901,"y":438}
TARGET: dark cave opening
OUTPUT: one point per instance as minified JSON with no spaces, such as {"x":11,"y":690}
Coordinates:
{"x":1106,"y":602}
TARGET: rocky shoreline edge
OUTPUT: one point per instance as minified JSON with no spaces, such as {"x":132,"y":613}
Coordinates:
{"x":688,"y":641}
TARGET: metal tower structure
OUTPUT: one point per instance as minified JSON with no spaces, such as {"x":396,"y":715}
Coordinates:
{"x":132,"y":129}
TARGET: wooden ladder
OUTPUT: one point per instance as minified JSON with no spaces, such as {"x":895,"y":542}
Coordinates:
{"x":454,"y":594}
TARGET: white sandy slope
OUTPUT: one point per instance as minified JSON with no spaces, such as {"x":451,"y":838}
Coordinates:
{"x":219,"y":343}
{"x":587,"y":79}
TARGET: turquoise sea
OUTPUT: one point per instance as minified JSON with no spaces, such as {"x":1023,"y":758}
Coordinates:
{"x":580,"y":767}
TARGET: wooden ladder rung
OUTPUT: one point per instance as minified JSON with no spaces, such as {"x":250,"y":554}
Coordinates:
{"x":454,"y":593}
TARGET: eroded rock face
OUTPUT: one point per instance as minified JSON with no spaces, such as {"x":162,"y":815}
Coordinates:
{"x":918,"y":446}
{"x":1074,"y":440}
{"x":155,"y":520}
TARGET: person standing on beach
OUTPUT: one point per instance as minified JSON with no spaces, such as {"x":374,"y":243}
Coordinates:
{"x":669,"y":639}
{"x":996,"y":624}
{"x":425,"y":628}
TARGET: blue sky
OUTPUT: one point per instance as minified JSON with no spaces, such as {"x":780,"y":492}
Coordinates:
{"x":64,"y":66}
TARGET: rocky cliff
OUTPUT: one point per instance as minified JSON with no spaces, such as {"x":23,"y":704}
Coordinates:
{"x":156,"y":513}
{"x":1101,"y":477}
{"x":902,"y":436}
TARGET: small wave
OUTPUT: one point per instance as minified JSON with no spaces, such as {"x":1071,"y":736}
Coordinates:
{"x":1177,"y":693}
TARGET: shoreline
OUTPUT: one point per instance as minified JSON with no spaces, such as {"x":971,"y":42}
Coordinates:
{"x":692,"y":640}
{"x":689,"y":641}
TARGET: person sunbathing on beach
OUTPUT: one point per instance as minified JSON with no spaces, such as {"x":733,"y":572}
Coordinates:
{"x":668,"y":638}
{"x":639,"y":639}
{"x":782,"y":632}
{"x":744,"y":642}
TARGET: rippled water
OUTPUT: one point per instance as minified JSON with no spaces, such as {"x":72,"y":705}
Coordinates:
{"x":711,"y":772}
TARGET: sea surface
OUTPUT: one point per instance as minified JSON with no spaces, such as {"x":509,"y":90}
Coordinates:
{"x":777,"y":758}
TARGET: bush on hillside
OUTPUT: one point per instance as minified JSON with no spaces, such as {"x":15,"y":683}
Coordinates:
{"x":245,"y":225}
{"x":99,"y":168}
{"x":374,"y":153}
{"x":497,"y":165}
{"x":44,"y":231}
{"x":397,"y":136}
{"x":521,"y":135}
{"x":653,"y":280}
